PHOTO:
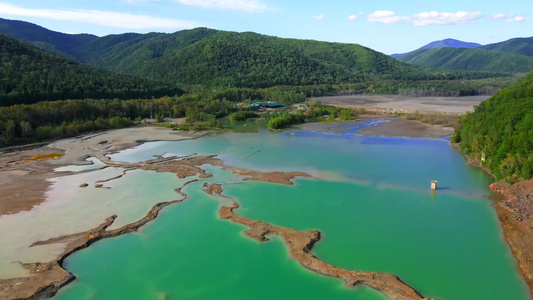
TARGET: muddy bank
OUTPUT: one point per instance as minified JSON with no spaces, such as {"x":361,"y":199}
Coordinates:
{"x":47,"y":277}
{"x":405,"y":104}
{"x":397,"y":127}
{"x":23,"y":183}
{"x":515,"y":207}
{"x":383,"y":125}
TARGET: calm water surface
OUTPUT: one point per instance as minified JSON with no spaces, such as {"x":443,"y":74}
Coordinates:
{"x":372,"y":204}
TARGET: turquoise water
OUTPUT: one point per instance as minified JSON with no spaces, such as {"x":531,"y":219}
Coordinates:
{"x":372,"y":204}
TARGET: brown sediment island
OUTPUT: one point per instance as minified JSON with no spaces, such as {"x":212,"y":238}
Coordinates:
{"x":301,"y":242}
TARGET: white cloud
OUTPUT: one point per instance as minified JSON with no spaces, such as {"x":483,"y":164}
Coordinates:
{"x":503,"y":16}
{"x":385,"y":17}
{"x":105,"y":18}
{"x":319,"y":17}
{"x":510,"y":18}
{"x":438,"y":18}
{"x":250,"y":6}
{"x":352,"y":17}
{"x":516,"y":19}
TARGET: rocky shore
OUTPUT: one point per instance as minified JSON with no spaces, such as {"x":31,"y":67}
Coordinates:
{"x":514,"y":212}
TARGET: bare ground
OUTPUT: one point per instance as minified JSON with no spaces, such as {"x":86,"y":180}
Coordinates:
{"x":406,"y":104}
{"x":23,"y":183}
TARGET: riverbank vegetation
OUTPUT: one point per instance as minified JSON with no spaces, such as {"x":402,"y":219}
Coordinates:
{"x":499,"y":133}
{"x":28,"y":123}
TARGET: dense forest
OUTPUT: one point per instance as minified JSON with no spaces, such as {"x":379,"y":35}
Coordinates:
{"x":28,"y":75}
{"x":65,"y":118}
{"x":212,"y":58}
{"x":499,"y":133}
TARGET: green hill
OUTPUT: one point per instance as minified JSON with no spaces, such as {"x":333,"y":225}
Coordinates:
{"x":52,"y":41}
{"x":522,"y":46}
{"x":219,"y":58}
{"x":28,"y":75}
{"x":512,"y":56}
{"x":476,"y":59}
{"x":499,"y":132}
{"x":215,"y":58}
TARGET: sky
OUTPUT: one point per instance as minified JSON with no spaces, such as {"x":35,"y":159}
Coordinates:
{"x":388,"y":26}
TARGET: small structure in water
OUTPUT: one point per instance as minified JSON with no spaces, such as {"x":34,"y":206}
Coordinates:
{"x":434,"y":185}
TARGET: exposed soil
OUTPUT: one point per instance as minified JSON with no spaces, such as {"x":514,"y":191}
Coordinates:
{"x":48,"y":277}
{"x":23,"y":183}
{"x":514,"y":211}
{"x":408,"y":128}
{"x":406,"y":104}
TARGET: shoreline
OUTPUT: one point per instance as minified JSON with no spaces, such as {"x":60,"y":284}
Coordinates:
{"x":517,"y":229}
{"x":94,"y":145}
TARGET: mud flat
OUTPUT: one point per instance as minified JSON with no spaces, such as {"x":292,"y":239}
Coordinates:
{"x":397,"y":127}
{"x":24,"y":189}
{"x":383,"y":125}
{"x":406,"y":104}
{"x":23,"y":182}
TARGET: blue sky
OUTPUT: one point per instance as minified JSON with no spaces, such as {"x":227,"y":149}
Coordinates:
{"x":388,"y":26}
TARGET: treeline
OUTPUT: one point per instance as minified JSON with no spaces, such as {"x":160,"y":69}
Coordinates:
{"x":499,"y":133}
{"x":63,"y":118}
{"x":29,"y":75}
{"x":441,"y":88}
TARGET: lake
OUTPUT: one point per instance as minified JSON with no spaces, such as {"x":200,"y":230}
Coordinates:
{"x":370,"y":198}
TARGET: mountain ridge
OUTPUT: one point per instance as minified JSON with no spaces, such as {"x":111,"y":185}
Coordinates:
{"x":29,"y":74}
{"x":511,"y":56}
{"x":210,"y":57}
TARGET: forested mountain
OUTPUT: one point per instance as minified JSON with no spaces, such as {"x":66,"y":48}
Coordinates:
{"x":522,"y":46}
{"x":452,"y":43}
{"x":499,"y":133}
{"x":213,"y":58}
{"x":512,"y":56}
{"x":52,"y":41}
{"x":28,"y":75}
{"x":477,"y":59}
